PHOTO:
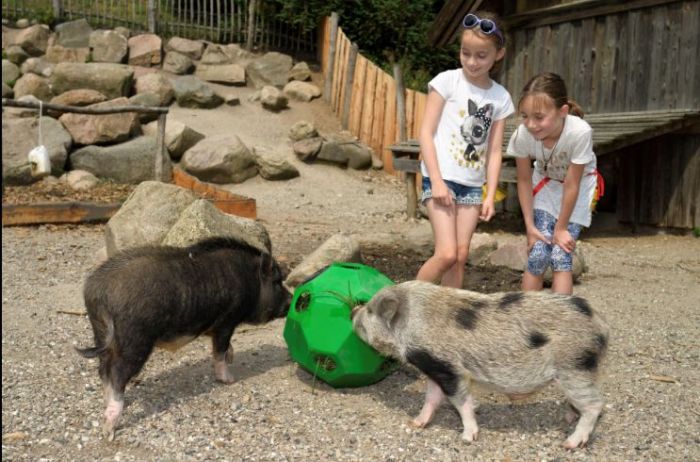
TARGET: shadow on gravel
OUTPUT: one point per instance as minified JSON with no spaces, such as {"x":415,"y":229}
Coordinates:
{"x":159,"y":392}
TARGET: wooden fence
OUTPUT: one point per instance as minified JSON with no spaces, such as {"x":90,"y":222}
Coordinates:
{"x":364,"y":96}
{"x":221,"y":21}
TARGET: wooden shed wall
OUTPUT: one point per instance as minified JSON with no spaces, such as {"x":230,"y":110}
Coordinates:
{"x":658,"y":182}
{"x":638,"y":59}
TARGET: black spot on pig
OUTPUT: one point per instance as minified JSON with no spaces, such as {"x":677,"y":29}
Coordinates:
{"x":537,"y":339}
{"x":601,"y":342}
{"x":441,"y":372}
{"x":478,"y":304}
{"x":509,"y":299}
{"x":467,"y":318}
{"x":581,"y":306}
{"x":588,"y":360}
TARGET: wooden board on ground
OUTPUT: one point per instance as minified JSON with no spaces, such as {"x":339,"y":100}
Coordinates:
{"x":57,"y":213}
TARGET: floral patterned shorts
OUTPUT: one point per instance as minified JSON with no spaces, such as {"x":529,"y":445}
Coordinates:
{"x":462,"y":195}
{"x":542,"y":254}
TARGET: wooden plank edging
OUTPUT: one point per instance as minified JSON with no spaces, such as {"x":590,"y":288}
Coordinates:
{"x":57,"y":213}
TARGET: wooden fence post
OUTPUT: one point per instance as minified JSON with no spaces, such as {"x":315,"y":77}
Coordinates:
{"x":352,"y":59}
{"x":251,"y":25}
{"x":152,"y":14}
{"x":57,"y":10}
{"x":400,"y":101}
{"x":327,"y":84}
{"x":161,"y":151}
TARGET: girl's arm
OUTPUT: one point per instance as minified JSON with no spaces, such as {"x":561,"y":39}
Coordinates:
{"x":524,"y":176}
{"x":431,"y":117}
{"x":572,"y":183}
{"x":493,"y":166}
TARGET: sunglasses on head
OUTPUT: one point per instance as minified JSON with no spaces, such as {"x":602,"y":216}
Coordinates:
{"x":486,"y":26}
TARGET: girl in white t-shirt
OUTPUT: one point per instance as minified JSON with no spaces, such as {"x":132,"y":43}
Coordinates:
{"x":460,"y":141}
{"x":556,"y":198}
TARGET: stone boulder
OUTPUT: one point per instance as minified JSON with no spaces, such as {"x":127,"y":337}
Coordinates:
{"x":7,"y":91}
{"x":201,"y":220}
{"x":80,"y":180}
{"x":302,"y":91}
{"x":73,"y":34}
{"x":220,"y":159}
{"x":10,"y":71}
{"x":82,"y":97}
{"x":345,"y":153}
{"x":300,"y":71}
{"x":193,"y":49}
{"x":273,"y":99}
{"x":146,"y":99}
{"x":307,"y":149}
{"x":215,"y":55}
{"x":112,"y":80}
{"x":178,"y":136}
{"x":338,"y":248}
{"x":102,"y":128}
{"x":38,"y":66}
{"x":23,"y":111}
{"x":16,"y":54}
{"x":158,"y":84}
{"x":131,"y":162}
{"x":32,"y":84}
{"x":145,"y":50}
{"x":20,"y":136}
{"x":108,"y":46}
{"x":274,"y":167}
{"x":177,"y":63}
{"x":302,"y":130}
{"x":271,"y":69}
{"x":34,"y":39}
{"x":192,"y":92}
{"x":229,"y":74}
{"x":146,"y":216}
{"x":59,"y":54}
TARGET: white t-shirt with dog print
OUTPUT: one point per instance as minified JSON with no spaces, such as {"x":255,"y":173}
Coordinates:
{"x":461,"y":138}
{"x":575,"y":146}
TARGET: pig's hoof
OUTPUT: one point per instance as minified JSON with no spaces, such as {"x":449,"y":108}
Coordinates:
{"x":418,"y":423}
{"x":225,"y":378}
{"x":470,"y":435}
{"x":573,"y":443}
{"x":228,"y":357}
{"x":108,"y":432}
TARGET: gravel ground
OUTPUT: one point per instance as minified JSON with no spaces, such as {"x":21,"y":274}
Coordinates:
{"x":647,"y":286}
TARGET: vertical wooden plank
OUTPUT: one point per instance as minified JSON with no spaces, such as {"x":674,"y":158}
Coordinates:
{"x":324,"y":43}
{"x":410,"y":96}
{"x":656,"y":84}
{"x":689,"y":93}
{"x":349,"y":82}
{"x":378,"y":116}
{"x":419,"y":108}
{"x":331,"y":58}
{"x":368,"y":103}
{"x":358,"y":90}
{"x":339,"y":84}
{"x":390,"y":129}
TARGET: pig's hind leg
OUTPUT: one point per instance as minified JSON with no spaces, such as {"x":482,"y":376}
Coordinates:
{"x":584,"y":397}
{"x":222,"y":351}
{"x":464,"y":403}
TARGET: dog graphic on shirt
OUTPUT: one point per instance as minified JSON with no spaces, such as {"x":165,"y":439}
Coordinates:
{"x":475,"y":129}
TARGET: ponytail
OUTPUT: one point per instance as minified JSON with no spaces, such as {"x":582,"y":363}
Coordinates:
{"x":574,"y":108}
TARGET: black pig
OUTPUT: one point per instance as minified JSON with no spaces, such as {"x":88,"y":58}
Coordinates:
{"x":167,"y":296}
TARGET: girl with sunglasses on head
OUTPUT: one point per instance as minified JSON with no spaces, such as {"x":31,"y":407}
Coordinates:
{"x":460,"y":140}
{"x":557,"y":197}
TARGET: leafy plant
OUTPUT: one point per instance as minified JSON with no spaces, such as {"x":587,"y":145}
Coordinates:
{"x":696,"y":231}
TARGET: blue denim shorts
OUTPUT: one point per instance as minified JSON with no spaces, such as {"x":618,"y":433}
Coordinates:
{"x":542,"y":254}
{"x":462,"y":195}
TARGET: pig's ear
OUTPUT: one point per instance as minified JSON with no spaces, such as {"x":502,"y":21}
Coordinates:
{"x":266,"y":264}
{"x":388,"y":309}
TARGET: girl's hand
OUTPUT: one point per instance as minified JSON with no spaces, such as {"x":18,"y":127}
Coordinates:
{"x":563,"y":239}
{"x":534,"y":235}
{"x":441,"y":193}
{"x":488,"y":210}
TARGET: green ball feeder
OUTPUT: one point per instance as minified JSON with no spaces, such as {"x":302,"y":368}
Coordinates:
{"x":319,"y":331}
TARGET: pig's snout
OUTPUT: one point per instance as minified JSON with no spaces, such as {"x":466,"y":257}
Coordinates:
{"x":354,"y":311}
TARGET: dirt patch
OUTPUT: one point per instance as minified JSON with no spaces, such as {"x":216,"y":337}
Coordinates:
{"x":105,"y":192}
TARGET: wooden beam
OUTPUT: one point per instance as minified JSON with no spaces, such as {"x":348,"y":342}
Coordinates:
{"x":57,"y":212}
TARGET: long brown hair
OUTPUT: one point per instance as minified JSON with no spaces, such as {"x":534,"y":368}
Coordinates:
{"x":498,"y":65}
{"x":553,"y":86}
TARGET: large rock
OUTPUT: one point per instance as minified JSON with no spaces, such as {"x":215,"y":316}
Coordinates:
{"x":215,"y":54}
{"x":146,"y":216}
{"x":32,"y":84}
{"x":177,"y":63}
{"x":73,"y":34}
{"x":345,"y":152}
{"x":274,"y":167}
{"x":339,"y":248}
{"x":300,"y":72}
{"x":202,"y":220}
{"x":273,"y":99}
{"x":103,"y":128}
{"x":302,"y":91}
{"x":156,"y":83}
{"x":108,"y":46}
{"x":20,"y":136}
{"x":58,"y":54}
{"x":129,"y":162}
{"x":230,"y":74}
{"x":271,"y":69}
{"x":10,"y":71}
{"x":302,"y":130}
{"x":34,"y":39}
{"x":112,"y":80}
{"x":145,"y":50}
{"x":191,"y":48}
{"x":192,"y":92}
{"x":220,"y":159}
{"x":147,"y":100}
{"x":82,"y":97}
{"x":38,"y":66}
{"x":23,"y":111}
{"x":178,"y":136}
{"x":6,"y":91}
